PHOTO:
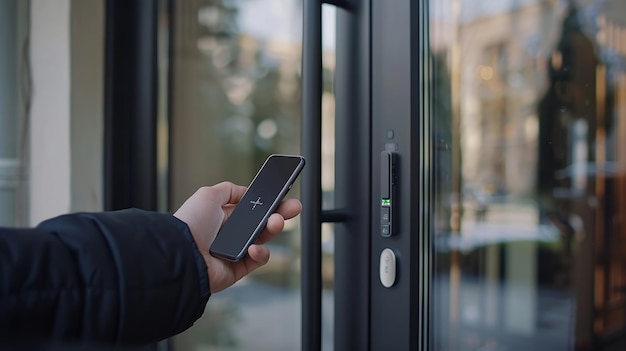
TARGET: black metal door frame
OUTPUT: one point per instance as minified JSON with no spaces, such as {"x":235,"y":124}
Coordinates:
{"x":400,"y":314}
{"x":381,"y":87}
{"x":352,"y":181}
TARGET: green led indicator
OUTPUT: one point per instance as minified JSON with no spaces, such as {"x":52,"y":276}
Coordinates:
{"x":385,"y":202}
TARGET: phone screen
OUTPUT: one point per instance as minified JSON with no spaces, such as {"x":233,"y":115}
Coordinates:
{"x":263,"y":196}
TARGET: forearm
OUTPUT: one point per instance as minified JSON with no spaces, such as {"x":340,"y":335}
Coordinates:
{"x":125,"y":277}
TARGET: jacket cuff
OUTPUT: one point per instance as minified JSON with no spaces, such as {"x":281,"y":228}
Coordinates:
{"x":203,"y":273}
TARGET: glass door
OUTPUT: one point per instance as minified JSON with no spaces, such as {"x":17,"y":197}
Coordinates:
{"x":529,"y":116}
{"x":235,"y":98}
{"x":479,"y":157}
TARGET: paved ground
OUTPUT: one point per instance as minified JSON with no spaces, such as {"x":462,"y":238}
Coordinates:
{"x":254,"y":316}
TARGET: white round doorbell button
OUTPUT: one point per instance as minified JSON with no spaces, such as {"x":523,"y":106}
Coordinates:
{"x":387,"y":268}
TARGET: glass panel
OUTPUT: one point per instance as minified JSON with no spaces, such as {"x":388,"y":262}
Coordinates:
{"x":328,"y":174}
{"x":9,"y":82}
{"x":7,"y":206}
{"x":163,"y":108}
{"x":530,"y":123}
{"x":235,"y":99}
{"x":12,"y":101}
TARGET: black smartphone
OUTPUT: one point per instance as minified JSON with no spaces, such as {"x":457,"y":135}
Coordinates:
{"x":248,"y":219}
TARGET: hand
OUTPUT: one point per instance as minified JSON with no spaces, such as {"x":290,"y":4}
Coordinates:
{"x":206,"y":211}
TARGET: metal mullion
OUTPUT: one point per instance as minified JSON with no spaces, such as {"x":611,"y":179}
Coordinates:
{"x":130,"y":104}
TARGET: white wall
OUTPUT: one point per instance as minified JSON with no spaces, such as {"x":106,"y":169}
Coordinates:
{"x":66,"y":116}
{"x":50,"y":110}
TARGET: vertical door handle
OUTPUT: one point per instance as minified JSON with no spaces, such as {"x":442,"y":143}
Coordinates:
{"x":312,"y":215}
{"x":311,"y":264}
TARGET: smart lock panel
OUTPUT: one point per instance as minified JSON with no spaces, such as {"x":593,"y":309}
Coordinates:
{"x":387,"y":190}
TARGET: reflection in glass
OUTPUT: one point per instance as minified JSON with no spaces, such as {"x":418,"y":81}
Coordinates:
{"x":530,"y":103}
{"x":235,"y":99}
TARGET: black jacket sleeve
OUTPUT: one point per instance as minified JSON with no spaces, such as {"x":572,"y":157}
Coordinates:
{"x":127,"y":277}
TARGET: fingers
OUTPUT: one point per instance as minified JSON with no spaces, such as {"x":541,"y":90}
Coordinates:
{"x":289,"y":208}
{"x":225,"y":193}
{"x":258,"y":256}
{"x":275,"y":224}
